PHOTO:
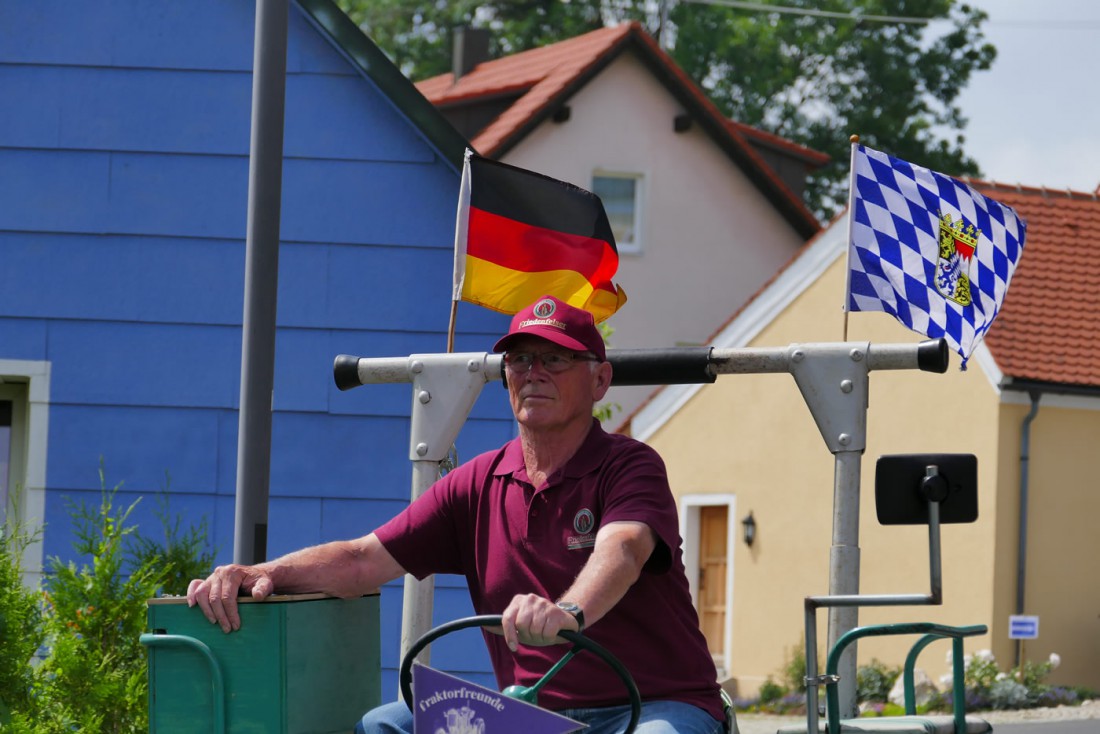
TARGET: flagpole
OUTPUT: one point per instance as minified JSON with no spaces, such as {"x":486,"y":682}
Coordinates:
{"x":451,"y":328}
{"x":462,"y":224}
{"x":851,"y":215}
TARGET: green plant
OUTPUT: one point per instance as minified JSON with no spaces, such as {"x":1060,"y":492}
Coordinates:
{"x":1021,"y":687}
{"x":94,"y":676}
{"x":794,"y":669}
{"x":88,"y":622}
{"x":181,"y":555}
{"x":874,"y":681}
{"x":981,"y":672}
{"x":21,"y":631}
{"x":1007,"y":693}
{"x":770,"y":691}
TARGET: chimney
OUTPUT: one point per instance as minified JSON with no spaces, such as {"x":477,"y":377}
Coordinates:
{"x":470,"y":48}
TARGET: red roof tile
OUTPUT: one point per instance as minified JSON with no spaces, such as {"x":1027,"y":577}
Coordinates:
{"x":540,"y":73}
{"x":1049,"y":326}
{"x":544,"y":77}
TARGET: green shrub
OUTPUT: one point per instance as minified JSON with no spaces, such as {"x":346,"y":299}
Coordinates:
{"x":21,"y":631}
{"x":874,"y":681}
{"x":1007,"y":693}
{"x":1021,"y":687}
{"x":770,"y":691}
{"x":96,"y":664}
{"x":93,"y":678}
{"x":181,"y":555}
{"x":794,"y":669}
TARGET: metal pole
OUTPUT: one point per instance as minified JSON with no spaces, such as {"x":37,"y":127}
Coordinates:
{"x":416,"y":611}
{"x":261,"y":281}
{"x":844,"y":570}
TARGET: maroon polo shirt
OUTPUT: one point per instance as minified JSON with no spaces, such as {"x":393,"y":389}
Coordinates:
{"x":485,"y":521}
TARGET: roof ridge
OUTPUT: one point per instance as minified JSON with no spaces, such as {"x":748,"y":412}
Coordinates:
{"x":533,"y":65}
{"x":778,"y":140}
{"x":1019,"y":188}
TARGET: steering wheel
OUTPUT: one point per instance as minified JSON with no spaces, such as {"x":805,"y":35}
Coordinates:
{"x":523,"y":693}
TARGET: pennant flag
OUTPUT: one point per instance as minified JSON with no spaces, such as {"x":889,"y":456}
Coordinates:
{"x":520,"y":235}
{"x":444,"y":704}
{"x":928,"y":249}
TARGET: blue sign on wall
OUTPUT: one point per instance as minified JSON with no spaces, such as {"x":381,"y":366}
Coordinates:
{"x":1023,"y":627}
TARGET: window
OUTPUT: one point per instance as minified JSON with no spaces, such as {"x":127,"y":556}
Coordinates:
{"x":621,"y":196}
{"x":24,"y":427}
{"x":13,"y":442}
{"x":5,"y":452}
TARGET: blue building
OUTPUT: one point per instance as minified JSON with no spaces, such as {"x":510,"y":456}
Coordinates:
{"x":124,"y":158}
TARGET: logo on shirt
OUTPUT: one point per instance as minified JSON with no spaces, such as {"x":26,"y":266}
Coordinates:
{"x":584,"y":522}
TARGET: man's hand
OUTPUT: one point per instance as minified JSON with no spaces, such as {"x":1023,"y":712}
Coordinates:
{"x":217,"y":595}
{"x":534,"y":620}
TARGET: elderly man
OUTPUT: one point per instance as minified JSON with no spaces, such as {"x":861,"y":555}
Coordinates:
{"x":564,"y":528}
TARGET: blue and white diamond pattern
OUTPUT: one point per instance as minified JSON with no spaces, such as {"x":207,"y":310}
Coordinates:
{"x":894,"y":249}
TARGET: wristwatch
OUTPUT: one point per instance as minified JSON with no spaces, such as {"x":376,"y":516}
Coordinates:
{"x":576,"y":611}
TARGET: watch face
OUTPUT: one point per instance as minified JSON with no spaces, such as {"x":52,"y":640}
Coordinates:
{"x":569,"y":606}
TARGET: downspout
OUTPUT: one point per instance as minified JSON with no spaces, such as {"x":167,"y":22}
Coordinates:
{"x":1021,"y":553}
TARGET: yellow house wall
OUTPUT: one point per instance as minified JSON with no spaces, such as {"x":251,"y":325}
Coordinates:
{"x":753,"y":436}
{"x":1063,"y":545}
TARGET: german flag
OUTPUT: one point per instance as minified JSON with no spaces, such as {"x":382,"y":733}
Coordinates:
{"x":520,"y":235}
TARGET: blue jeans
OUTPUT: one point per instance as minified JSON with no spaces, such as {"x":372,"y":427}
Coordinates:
{"x":658,"y":717}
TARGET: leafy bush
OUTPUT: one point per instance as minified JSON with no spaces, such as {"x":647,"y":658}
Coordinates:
{"x":96,"y":663}
{"x":874,"y":681}
{"x":770,"y":691}
{"x":786,"y":697}
{"x":21,"y":631}
{"x":987,"y":686}
{"x":794,"y":670}
{"x":181,"y":555}
{"x":1008,"y":694}
{"x":93,"y":678}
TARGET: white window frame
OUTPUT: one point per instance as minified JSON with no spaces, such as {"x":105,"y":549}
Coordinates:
{"x":689,"y":532}
{"x":30,"y":433}
{"x":635,"y":247}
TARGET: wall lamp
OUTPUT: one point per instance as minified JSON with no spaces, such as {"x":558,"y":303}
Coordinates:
{"x":748,"y":526}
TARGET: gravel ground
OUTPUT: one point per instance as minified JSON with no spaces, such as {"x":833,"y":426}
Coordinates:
{"x":764,"y":724}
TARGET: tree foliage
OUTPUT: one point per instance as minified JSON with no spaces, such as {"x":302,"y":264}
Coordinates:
{"x":416,"y":34}
{"x":818,"y":80}
{"x":813,"y":78}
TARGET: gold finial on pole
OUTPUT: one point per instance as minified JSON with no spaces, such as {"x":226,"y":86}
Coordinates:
{"x":854,"y":139}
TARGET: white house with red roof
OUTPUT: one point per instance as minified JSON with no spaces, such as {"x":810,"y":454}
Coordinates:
{"x":1028,"y":407}
{"x":704,"y":209}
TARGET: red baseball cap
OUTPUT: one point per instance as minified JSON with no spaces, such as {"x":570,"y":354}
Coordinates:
{"x":556,"y":321}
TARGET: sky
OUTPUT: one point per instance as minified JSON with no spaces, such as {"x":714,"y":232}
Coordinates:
{"x":1035,"y":116}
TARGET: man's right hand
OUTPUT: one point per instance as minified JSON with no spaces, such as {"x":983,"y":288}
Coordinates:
{"x":217,"y":595}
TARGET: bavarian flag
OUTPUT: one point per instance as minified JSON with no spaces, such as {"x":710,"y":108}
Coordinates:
{"x":520,"y":235}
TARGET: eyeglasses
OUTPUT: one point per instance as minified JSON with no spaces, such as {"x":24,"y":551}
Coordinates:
{"x":555,"y":362}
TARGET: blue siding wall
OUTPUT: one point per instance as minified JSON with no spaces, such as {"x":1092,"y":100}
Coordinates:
{"x":123,"y":187}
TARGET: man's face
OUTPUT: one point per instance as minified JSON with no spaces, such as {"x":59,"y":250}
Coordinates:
{"x":545,"y":400}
